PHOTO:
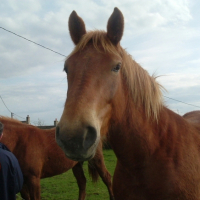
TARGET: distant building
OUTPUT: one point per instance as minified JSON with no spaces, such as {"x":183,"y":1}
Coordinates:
{"x":41,"y":127}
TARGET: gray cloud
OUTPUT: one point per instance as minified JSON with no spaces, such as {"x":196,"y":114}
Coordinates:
{"x":163,"y":36}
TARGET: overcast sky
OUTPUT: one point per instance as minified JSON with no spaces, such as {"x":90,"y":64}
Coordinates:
{"x":162,"y":35}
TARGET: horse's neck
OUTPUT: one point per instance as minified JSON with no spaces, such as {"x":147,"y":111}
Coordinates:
{"x":139,"y":137}
{"x":127,"y":132}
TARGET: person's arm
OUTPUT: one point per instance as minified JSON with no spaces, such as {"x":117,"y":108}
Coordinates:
{"x":18,"y":178}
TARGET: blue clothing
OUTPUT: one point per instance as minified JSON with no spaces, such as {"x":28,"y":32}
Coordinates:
{"x":11,"y":178}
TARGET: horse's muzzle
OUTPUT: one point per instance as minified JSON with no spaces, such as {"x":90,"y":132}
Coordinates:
{"x":77,"y":145}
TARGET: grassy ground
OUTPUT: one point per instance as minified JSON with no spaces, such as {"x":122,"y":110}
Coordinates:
{"x":64,"y":186}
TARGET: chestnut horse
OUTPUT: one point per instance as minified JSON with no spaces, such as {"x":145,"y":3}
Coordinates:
{"x":39,"y":157}
{"x":193,"y":116}
{"x":158,"y":151}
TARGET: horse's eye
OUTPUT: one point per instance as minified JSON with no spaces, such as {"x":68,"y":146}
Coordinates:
{"x":117,"y":67}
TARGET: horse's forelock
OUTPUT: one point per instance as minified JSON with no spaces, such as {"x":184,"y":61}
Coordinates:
{"x":99,"y":40}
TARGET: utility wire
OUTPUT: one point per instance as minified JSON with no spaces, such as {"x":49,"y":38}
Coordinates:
{"x":9,"y":109}
{"x":18,"y":116}
{"x":65,"y":56}
{"x":5,"y":104}
{"x":182,"y":102}
{"x":32,"y":42}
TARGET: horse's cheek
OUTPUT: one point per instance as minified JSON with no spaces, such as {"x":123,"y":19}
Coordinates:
{"x":114,"y":87}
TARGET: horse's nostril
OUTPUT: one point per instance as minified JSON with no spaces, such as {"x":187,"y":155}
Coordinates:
{"x":90,"y":137}
{"x":57,"y":131}
{"x":76,"y":143}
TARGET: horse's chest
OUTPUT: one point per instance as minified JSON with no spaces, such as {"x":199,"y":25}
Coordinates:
{"x":142,"y":184}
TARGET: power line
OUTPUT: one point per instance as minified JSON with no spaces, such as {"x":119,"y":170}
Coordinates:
{"x":9,"y":109}
{"x":65,"y":56}
{"x":18,"y":116}
{"x":182,"y":102}
{"x":5,"y":104}
{"x":32,"y":42}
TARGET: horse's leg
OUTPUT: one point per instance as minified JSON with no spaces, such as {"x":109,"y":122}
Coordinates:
{"x":98,"y":163}
{"x":25,"y":192}
{"x":33,"y":184}
{"x":81,"y":180}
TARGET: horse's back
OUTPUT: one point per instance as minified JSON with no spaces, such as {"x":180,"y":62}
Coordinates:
{"x":35,"y":149}
{"x":193,"y":116}
{"x":26,"y":143}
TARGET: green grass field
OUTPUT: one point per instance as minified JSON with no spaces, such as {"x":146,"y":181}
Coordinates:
{"x":64,"y":186}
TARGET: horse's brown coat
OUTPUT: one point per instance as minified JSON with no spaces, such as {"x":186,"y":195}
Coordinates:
{"x":193,"y":116}
{"x":158,"y":151}
{"x":39,"y":157}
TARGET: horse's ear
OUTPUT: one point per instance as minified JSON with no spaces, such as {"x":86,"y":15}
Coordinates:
{"x":115,"y":26}
{"x":76,"y":27}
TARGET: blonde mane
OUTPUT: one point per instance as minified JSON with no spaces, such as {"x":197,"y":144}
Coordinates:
{"x":144,"y":88}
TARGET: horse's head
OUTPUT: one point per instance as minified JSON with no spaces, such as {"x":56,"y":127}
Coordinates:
{"x":93,"y":74}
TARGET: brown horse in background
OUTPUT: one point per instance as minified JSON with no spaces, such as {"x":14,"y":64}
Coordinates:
{"x":193,"y":116}
{"x":39,"y":157}
{"x":158,"y":151}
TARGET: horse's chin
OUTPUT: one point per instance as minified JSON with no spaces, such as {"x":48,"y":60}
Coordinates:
{"x":79,"y":154}
{"x":83,"y":156}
